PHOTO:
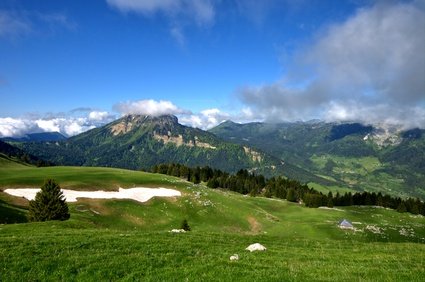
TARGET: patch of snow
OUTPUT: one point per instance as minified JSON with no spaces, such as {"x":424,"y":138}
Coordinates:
{"x":256,"y":247}
{"x":140,"y":194}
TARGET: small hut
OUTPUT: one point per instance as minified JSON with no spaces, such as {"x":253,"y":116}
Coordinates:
{"x":345,"y":224}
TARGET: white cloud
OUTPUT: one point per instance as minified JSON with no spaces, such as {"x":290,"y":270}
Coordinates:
{"x":202,"y":11}
{"x":214,"y":117}
{"x":56,"y":20}
{"x":77,"y":126}
{"x":180,"y":13}
{"x":27,"y":22}
{"x":385,"y":115}
{"x":258,"y":11}
{"x":51,"y":125}
{"x":68,"y":125}
{"x":144,"y":6}
{"x":375,"y":60}
{"x":99,"y":116}
{"x":149,"y":107}
{"x":206,"y":119}
{"x":12,"y":24}
{"x":177,"y":34}
{"x":15,"y":127}
{"x":192,"y":120}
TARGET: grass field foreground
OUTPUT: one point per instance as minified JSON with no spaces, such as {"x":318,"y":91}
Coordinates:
{"x":127,"y":240}
{"x":55,"y":251}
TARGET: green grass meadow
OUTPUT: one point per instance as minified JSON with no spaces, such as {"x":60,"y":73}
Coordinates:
{"x":124,"y":240}
{"x":57,"y":252}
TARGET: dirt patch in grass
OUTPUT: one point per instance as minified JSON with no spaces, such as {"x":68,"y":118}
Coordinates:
{"x":255,"y":226}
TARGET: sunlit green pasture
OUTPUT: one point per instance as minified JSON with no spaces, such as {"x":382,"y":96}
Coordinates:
{"x":129,"y":240}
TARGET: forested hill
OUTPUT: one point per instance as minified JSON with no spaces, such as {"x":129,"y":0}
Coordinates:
{"x":37,"y":137}
{"x":352,"y":155}
{"x":15,"y":154}
{"x":139,"y":142}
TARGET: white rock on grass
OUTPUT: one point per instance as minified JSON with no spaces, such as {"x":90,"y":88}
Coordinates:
{"x":256,"y":247}
{"x":234,"y":257}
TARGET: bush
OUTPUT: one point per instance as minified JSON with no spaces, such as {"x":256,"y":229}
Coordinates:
{"x":49,"y":204}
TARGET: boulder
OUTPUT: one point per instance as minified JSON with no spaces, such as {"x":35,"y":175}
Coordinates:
{"x":234,"y":257}
{"x":256,"y":247}
{"x":178,"y":231}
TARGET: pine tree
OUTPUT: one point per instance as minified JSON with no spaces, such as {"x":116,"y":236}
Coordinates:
{"x":49,"y":204}
{"x":185,"y":225}
{"x":330,"y":203}
{"x":402,"y":207}
{"x":290,"y":196}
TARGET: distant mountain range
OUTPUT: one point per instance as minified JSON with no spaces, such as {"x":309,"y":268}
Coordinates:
{"x":340,"y":157}
{"x":36,"y":137}
{"x":350,"y":155}
{"x":140,"y":142}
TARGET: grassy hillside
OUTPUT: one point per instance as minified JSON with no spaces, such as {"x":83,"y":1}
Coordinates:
{"x":124,"y":239}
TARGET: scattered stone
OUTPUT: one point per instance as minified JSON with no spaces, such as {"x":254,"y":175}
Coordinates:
{"x":256,"y":247}
{"x":374,"y":229}
{"x":96,"y":212}
{"x":234,"y":257}
{"x":332,"y":209}
{"x":178,"y":231}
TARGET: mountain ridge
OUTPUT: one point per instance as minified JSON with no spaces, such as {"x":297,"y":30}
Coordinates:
{"x":355,"y":156}
{"x":37,"y":137}
{"x":140,"y":142}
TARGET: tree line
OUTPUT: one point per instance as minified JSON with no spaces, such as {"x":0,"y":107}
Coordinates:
{"x":245,"y":182}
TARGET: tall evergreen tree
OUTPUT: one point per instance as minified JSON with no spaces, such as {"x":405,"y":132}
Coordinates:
{"x":290,"y":196}
{"x":185,"y":225}
{"x":402,"y":207}
{"x":49,"y":204}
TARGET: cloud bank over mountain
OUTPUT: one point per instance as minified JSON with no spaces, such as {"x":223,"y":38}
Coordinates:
{"x":370,"y":68}
{"x":66,"y":124}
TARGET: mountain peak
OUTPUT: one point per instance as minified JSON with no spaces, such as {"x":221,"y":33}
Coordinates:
{"x":129,"y":122}
{"x":148,"y":118}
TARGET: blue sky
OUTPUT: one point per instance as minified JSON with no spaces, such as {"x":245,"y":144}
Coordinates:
{"x":74,"y":65}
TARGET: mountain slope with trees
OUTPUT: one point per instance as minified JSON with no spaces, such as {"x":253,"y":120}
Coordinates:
{"x":37,"y":137}
{"x":351,"y":155}
{"x":140,"y":142}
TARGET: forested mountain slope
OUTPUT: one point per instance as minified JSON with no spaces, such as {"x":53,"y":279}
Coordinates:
{"x":139,"y":142}
{"x":352,"y":155}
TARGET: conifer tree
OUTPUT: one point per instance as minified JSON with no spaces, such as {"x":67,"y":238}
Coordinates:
{"x":290,"y":196}
{"x":402,"y":207}
{"x":185,"y":225}
{"x":49,"y":204}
